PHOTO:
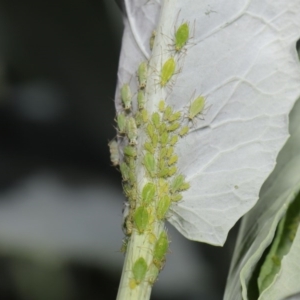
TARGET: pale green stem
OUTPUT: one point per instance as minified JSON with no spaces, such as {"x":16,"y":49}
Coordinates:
{"x":140,"y":245}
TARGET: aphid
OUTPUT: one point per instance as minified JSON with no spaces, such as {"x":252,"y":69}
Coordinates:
{"x":156,"y":119}
{"x":138,"y":119}
{"x":170,"y":152}
{"x":183,"y":131}
{"x":173,"y":159}
{"x":152,"y":274}
{"x":124,"y":171}
{"x":121,"y":121}
{"x":149,"y":147}
{"x":173,"y":140}
{"x":149,"y":162}
{"x":152,"y":238}
{"x":162,"y":128}
{"x":173,"y":126}
{"x":130,"y":151}
{"x":176,"y":197}
{"x":196,"y":107}
{"x":168,"y":112}
{"x":126,"y":96}
{"x":127,"y":219}
{"x":142,"y":75}
{"x":174,"y":117}
{"x":141,"y":219}
{"x":132,"y":178}
{"x":181,"y":36}
{"x":114,"y":152}
{"x":162,"y":207}
{"x":164,"y":139}
{"x":152,"y":39}
{"x":167,"y":71}
{"x":179,"y":184}
{"x":132,"y":131}
{"x":141,"y":99}
{"x":163,"y":186}
{"x":124,"y":245}
{"x":162,"y":164}
{"x":144,"y":115}
{"x":150,"y":130}
{"x":163,"y":173}
{"x":172,"y":171}
{"x":154,"y":140}
{"x":139,"y":270}
{"x":163,"y":153}
{"x":148,"y":193}
{"x":160,"y":250}
{"x":161,"y":105}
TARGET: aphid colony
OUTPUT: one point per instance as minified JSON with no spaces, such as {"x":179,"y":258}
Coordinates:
{"x":149,"y":201}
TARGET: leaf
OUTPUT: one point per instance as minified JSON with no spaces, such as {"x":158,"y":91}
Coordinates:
{"x":286,"y":281}
{"x":241,"y":57}
{"x":259,"y":225}
{"x":281,"y":245}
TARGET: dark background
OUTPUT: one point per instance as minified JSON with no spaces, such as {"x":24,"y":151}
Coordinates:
{"x":60,"y":199}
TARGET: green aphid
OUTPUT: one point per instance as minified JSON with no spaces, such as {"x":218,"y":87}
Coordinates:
{"x":196,"y":107}
{"x":173,"y":126}
{"x":160,"y":250}
{"x":174,"y":117}
{"x":172,"y":171}
{"x":130,"y":151}
{"x":139,"y":270}
{"x":141,"y":219}
{"x":142,"y":74}
{"x":179,"y":184}
{"x":163,"y":186}
{"x":124,"y":245}
{"x":149,"y":147}
{"x":163,"y":173}
{"x":162,"y":164}
{"x":132,"y":178}
{"x":185,"y":186}
{"x":170,"y":152}
{"x":163,"y":153}
{"x":176,"y":197}
{"x":150,"y":164}
{"x":168,"y":112}
{"x":148,"y":193}
{"x":164,"y":139}
{"x":174,"y":140}
{"x":152,"y":274}
{"x":162,"y":128}
{"x":167,"y":71}
{"x":162,"y":207}
{"x":124,"y":168}
{"x":141,"y":99}
{"x":173,"y":159}
{"x":161,"y":105}
{"x":114,"y":152}
{"x":150,"y":130}
{"x":144,"y":115}
{"x":126,"y":96}
{"x":138,"y":119}
{"x":152,"y":39}
{"x":132,"y":131}
{"x":183,"y":131}
{"x":154,"y":140}
{"x":181,"y":36}
{"x":156,"y":120}
{"x":121,"y":121}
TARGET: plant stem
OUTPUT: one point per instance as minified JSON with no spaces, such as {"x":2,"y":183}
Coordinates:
{"x":139,"y":245}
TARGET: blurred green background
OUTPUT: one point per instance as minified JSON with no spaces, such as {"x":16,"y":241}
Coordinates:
{"x":60,"y":199}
